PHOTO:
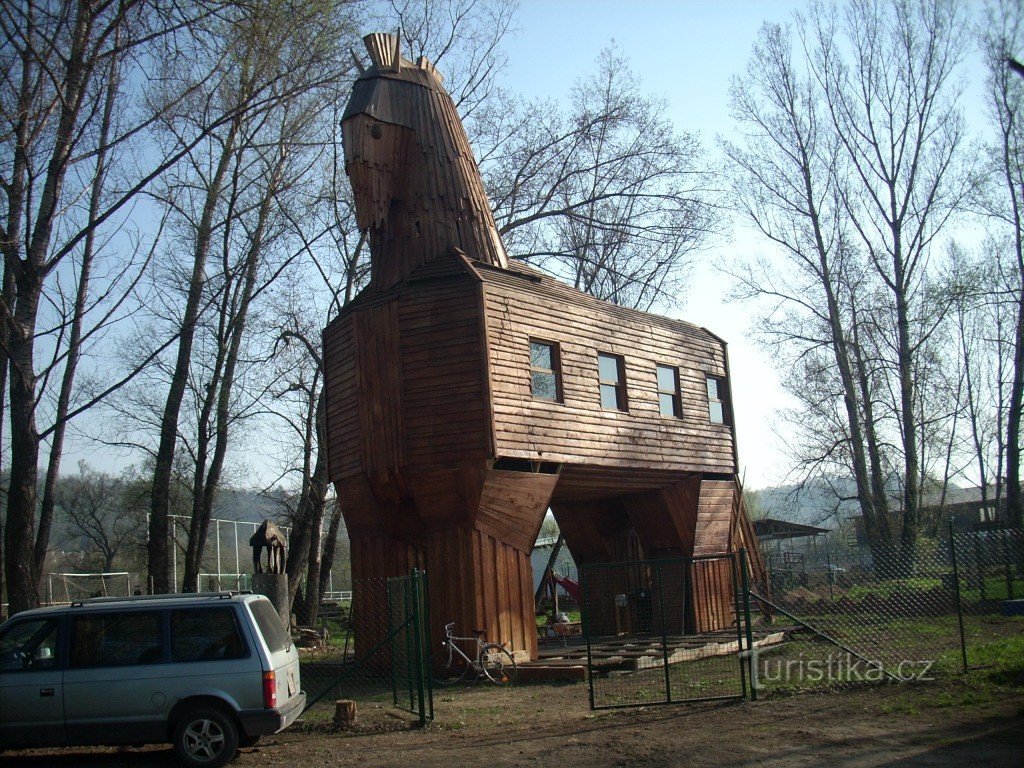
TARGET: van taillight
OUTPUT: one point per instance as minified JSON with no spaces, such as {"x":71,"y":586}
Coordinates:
{"x":269,"y":690}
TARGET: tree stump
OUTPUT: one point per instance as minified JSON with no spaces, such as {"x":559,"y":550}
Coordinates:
{"x":344,"y":713}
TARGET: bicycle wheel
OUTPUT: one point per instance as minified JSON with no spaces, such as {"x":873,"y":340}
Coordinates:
{"x":453,"y":672}
{"x":498,"y":664}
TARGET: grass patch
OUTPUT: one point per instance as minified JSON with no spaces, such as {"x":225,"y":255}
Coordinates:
{"x":1000,"y":662}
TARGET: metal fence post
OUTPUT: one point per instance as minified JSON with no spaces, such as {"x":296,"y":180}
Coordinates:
{"x":752,"y":661}
{"x":831,"y":572}
{"x":418,"y":644}
{"x":956,"y":589}
{"x":1007,"y":568}
{"x":585,"y":628}
{"x":664,"y":633}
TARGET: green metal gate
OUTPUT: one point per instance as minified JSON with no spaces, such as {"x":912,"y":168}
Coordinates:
{"x":393,"y":657}
{"x":664,"y":631}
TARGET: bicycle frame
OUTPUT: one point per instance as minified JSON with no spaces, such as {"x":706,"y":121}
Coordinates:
{"x":493,"y":660}
{"x":451,"y":645}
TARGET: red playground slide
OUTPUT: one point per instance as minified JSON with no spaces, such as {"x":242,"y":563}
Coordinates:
{"x":570,"y":586}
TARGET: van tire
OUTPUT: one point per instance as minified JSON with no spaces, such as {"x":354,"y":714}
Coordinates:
{"x":206,"y":737}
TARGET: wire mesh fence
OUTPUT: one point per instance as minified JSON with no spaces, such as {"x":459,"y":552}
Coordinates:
{"x":373,"y":648}
{"x":663,"y":631}
{"x":884,"y":613}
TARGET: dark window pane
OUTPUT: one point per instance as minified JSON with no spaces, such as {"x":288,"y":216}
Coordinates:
{"x":540,"y":355}
{"x":205,"y":633}
{"x":29,"y":645}
{"x":116,"y":640}
{"x":608,"y":368}
{"x":545,"y":386}
{"x":667,"y":403}
{"x":270,"y":625}
{"x":666,"y":379}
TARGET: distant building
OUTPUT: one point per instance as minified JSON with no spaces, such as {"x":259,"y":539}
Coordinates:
{"x":969,"y":509}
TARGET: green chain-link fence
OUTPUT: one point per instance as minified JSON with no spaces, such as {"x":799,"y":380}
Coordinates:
{"x":375,"y":648}
{"x":865,"y":614}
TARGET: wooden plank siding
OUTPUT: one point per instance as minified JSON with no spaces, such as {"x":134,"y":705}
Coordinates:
{"x":405,"y":380}
{"x":578,"y":431}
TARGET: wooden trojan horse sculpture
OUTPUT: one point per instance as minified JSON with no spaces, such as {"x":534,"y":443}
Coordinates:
{"x":466,"y":394}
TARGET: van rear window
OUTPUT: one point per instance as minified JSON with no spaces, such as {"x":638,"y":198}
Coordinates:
{"x":269,"y":622}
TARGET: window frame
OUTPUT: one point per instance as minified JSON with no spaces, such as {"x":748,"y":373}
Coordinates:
{"x":555,"y":371}
{"x":722,"y":400}
{"x":675,"y":394}
{"x":619,"y":385}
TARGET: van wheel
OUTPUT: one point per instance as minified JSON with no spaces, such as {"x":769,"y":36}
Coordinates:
{"x":205,"y":737}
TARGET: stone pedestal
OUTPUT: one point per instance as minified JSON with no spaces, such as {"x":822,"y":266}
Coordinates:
{"x":275,"y":587}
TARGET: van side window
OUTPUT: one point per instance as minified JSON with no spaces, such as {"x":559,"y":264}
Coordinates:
{"x":29,"y":644}
{"x":116,"y":639}
{"x":203,"y":634}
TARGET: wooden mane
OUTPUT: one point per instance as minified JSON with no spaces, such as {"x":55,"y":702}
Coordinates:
{"x":386,"y":55}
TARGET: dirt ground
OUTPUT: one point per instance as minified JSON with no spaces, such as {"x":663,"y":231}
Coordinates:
{"x":923,"y":724}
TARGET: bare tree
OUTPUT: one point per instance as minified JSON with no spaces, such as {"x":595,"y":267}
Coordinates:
{"x":1003,"y":44}
{"x":60,"y":60}
{"x":98,"y":512}
{"x":853,"y":169}
{"x":892,"y":107}
{"x":268,"y":56}
{"x":787,"y":180}
{"x":608,"y":195}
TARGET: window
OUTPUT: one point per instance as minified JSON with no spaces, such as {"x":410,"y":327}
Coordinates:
{"x":273,"y":631}
{"x":612,"y":373}
{"x":718,"y":402}
{"x":668,"y":391}
{"x":202,"y":634}
{"x":29,"y":644}
{"x":545,"y":371}
{"x":116,"y":639}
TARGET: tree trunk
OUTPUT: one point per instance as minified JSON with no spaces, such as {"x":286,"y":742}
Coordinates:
{"x":909,"y":424}
{"x":19,"y":536}
{"x":330,"y":547}
{"x":310,"y":509}
{"x":75,"y":338}
{"x":1013,"y":420}
{"x":158,"y":547}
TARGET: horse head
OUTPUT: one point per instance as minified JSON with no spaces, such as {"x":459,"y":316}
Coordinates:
{"x":417,"y":186}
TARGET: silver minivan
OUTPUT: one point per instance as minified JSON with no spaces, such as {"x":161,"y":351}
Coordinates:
{"x":205,"y":672}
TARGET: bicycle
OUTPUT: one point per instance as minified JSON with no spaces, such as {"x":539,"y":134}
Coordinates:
{"x":493,"y":661}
